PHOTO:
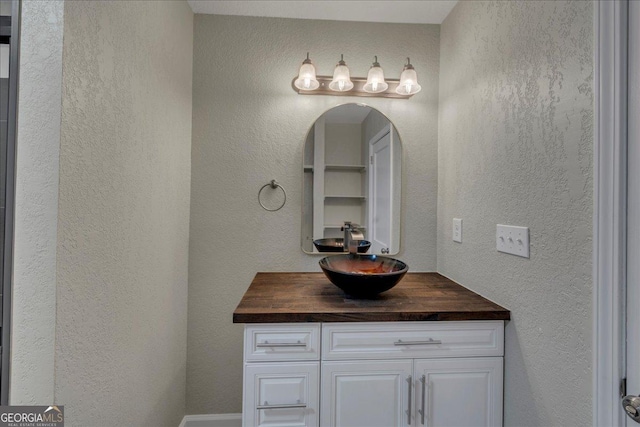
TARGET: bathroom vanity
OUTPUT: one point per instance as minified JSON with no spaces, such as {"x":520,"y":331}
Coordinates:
{"x":429,"y":352}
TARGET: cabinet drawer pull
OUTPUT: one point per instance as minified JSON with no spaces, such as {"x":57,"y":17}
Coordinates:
{"x":431,"y":341}
{"x":409,"y":410}
{"x":423,"y":380}
{"x":281,"y":344}
{"x":289,"y":406}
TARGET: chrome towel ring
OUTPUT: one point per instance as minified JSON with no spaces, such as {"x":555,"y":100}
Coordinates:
{"x":273,"y":184}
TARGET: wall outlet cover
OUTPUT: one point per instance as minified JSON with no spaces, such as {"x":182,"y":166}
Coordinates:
{"x":457,"y":230}
{"x":512,"y":240}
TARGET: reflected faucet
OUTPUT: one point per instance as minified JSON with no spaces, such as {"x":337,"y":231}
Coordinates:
{"x":352,"y":236}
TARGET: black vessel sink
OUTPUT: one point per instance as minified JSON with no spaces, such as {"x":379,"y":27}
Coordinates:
{"x":337,"y":245}
{"x":363,"y":275}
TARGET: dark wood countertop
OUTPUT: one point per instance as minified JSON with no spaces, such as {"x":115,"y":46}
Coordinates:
{"x":310,"y":297}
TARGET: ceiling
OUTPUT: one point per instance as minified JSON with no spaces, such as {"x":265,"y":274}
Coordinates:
{"x":407,"y":12}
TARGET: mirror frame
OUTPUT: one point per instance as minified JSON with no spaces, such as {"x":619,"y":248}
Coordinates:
{"x":400,"y":174}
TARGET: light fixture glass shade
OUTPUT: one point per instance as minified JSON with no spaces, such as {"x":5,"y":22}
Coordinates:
{"x":341,"y":79}
{"x":307,"y":76}
{"x":375,"y":79}
{"x":408,"y":81}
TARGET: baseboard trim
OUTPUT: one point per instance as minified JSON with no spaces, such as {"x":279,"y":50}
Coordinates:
{"x":212,"y":420}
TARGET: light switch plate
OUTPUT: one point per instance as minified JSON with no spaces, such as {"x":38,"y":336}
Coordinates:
{"x":457,"y":230}
{"x":512,"y":240}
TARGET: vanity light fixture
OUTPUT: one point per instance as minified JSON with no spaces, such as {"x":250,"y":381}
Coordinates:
{"x":307,"y":76}
{"x":341,"y":79}
{"x":375,"y":79}
{"x":342,"y":84}
{"x":408,"y":81}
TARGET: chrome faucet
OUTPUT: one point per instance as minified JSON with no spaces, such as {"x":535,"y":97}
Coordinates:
{"x":352,"y":236}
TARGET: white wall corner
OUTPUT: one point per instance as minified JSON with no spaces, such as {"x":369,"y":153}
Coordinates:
{"x":36,"y":204}
{"x":609,"y":255}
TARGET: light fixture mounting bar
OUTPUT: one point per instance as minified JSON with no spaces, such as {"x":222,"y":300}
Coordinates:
{"x":358,"y":84}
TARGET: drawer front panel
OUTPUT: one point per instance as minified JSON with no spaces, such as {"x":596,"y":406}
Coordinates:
{"x":281,"y":394}
{"x":274,"y":342}
{"x":411,"y":340}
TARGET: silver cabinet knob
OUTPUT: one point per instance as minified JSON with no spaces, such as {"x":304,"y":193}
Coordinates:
{"x":631,"y":405}
{"x":384,"y":250}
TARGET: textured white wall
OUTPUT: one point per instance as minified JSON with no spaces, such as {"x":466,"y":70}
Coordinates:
{"x":4,"y":61}
{"x":249,"y":127}
{"x":36,"y":210}
{"x":5,"y":8}
{"x":123,"y":227}
{"x":515,"y":147}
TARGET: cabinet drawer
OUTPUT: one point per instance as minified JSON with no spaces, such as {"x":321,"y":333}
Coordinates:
{"x":281,"y":394}
{"x":412,"y":340}
{"x":282,"y":341}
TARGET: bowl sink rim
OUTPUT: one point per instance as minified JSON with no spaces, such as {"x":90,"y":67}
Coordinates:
{"x":324,"y":264}
{"x":362,"y":244}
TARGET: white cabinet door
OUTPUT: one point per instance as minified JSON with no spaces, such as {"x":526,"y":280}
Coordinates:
{"x":464,"y":392}
{"x":366,"y":393}
{"x":281,"y":394}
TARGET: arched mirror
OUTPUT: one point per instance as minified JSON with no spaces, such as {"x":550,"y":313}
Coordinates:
{"x":352,"y":183}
